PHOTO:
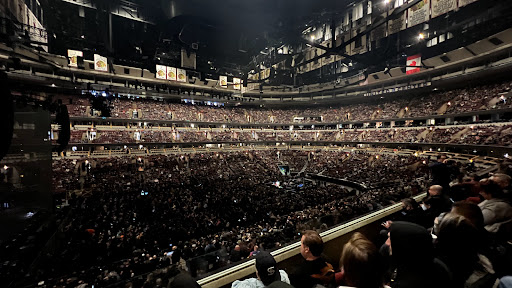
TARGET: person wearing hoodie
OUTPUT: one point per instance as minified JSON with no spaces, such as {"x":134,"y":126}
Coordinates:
{"x":412,"y":254}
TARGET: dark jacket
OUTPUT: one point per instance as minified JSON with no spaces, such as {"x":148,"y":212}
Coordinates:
{"x":301,"y":277}
{"x":412,"y":254}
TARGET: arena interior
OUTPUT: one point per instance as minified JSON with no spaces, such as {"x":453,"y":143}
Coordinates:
{"x":286,"y":143}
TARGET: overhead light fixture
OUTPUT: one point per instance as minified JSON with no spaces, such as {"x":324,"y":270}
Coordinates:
{"x":312,"y":37}
{"x":421,"y":36}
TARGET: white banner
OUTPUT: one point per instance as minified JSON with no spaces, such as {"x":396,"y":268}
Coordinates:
{"x":182,"y":75}
{"x":171,"y":73}
{"x":236,"y":83}
{"x":418,"y":13}
{"x":36,"y":31}
{"x":223,"y":80}
{"x":440,"y":7}
{"x":161,"y":72}
{"x":465,"y":2}
{"x":73,"y":57}
{"x":100,"y":63}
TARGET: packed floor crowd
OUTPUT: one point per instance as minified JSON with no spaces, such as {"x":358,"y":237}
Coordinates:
{"x":458,"y":237}
{"x":497,"y":135}
{"x":141,"y":210}
{"x":451,"y":102}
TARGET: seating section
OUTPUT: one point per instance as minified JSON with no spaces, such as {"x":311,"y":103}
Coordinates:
{"x":498,"y":135}
{"x":121,"y":229}
{"x":450,"y":102}
{"x":194,"y":190}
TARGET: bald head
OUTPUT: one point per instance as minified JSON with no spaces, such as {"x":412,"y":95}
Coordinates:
{"x":435,"y":190}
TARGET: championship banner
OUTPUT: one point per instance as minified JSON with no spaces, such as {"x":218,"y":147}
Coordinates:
{"x":100,"y":63}
{"x":414,"y":60}
{"x":440,"y":7}
{"x":182,"y":75}
{"x":463,"y":3}
{"x":397,"y":24}
{"x":418,"y":13}
{"x":73,"y":57}
{"x":171,"y":73}
{"x":161,"y":72}
{"x":262,"y":75}
{"x":223,"y":80}
{"x":236,"y":83}
{"x":267,"y":73}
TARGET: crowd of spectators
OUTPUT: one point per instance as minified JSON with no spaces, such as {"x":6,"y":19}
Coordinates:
{"x":497,"y":135}
{"x":451,"y":241}
{"x":139,"y":210}
{"x":449,"y":102}
{"x":139,"y":216}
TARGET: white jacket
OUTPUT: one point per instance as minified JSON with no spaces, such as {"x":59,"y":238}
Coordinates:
{"x":256,"y":283}
{"x":495,"y":211}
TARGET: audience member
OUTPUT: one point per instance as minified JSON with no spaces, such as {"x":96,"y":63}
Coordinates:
{"x":496,"y":211}
{"x":459,"y":243}
{"x":440,"y":173}
{"x":411,"y":249}
{"x":360,"y":263}
{"x":314,"y":269}
{"x":266,"y":273}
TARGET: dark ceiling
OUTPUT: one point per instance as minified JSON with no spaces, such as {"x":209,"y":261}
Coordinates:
{"x":222,"y":28}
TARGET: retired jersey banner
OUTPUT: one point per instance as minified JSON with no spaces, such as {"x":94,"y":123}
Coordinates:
{"x":161,"y":72}
{"x":223,"y":80}
{"x":440,"y":7}
{"x":172,"y":73}
{"x":397,"y":24}
{"x":465,"y":2}
{"x":182,"y":75}
{"x":100,"y":63}
{"x":413,"y":64}
{"x":236,"y":83}
{"x":418,"y":13}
